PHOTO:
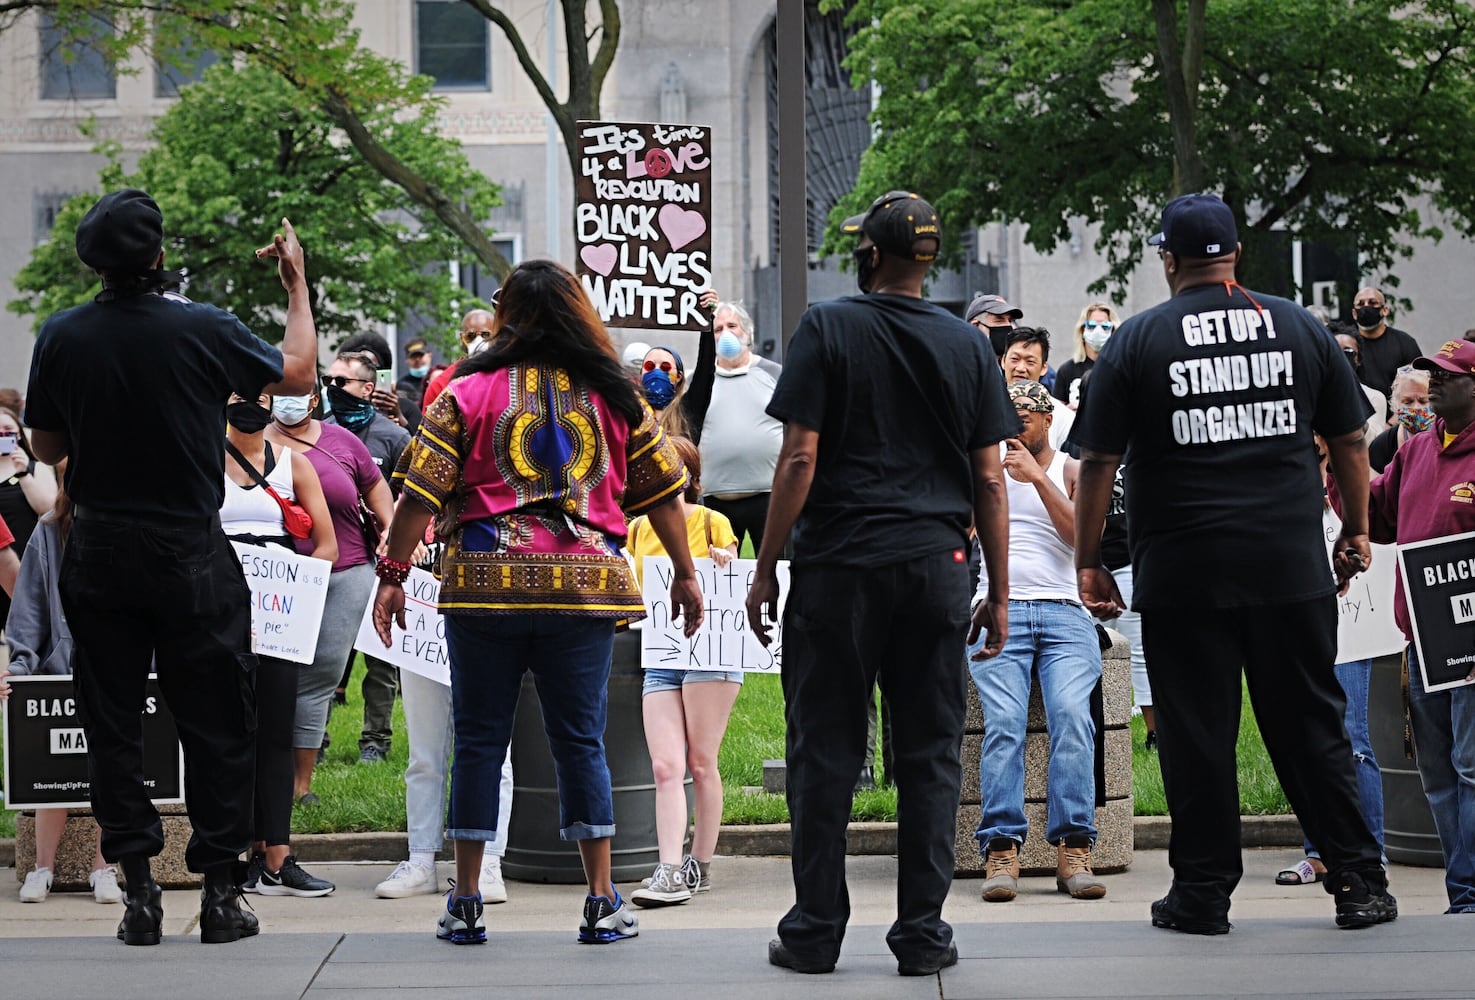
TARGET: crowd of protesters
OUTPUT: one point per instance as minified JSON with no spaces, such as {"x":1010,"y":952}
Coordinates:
{"x":537,"y":472}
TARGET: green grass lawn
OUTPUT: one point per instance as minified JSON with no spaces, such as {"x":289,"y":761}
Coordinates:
{"x":362,"y":797}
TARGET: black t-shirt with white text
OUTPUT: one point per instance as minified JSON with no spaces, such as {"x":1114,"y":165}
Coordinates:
{"x":1211,"y":398}
{"x":900,"y":391}
{"x":139,"y":386}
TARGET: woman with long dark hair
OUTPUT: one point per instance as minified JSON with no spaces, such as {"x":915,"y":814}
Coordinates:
{"x":529,"y":462}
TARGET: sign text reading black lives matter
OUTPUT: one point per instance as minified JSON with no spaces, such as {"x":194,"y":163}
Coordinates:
{"x":643,"y":215}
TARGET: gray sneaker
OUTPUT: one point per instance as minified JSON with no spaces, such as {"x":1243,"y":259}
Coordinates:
{"x":691,"y":873}
{"x":667,"y":887}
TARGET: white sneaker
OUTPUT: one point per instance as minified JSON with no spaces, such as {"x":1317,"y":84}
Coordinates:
{"x":37,"y":886}
{"x":104,"y":884}
{"x":493,"y":887}
{"x":408,"y":879}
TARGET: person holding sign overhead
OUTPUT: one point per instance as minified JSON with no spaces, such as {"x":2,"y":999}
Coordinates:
{"x":258,"y":480}
{"x":1428,"y":491}
{"x":685,"y":713}
{"x":882,"y":507}
{"x":530,"y":462}
{"x":148,"y":579}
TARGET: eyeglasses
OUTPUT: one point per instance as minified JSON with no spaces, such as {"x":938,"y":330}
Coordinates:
{"x":341,"y":381}
{"x":1351,"y":352}
{"x":665,"y":366}
{"x":1104,"y":324}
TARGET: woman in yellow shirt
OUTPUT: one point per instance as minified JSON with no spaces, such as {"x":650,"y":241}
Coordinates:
{"x":685,"y":715}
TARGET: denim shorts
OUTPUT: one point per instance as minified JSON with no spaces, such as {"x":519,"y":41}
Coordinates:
{"x":671,"y":680}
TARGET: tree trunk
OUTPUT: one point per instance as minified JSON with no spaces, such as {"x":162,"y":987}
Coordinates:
{"x":1180,"y":64}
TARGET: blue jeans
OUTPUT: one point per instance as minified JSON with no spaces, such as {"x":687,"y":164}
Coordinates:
{"x":1444,"y":742}
{"x":1354,"y":677}
{"x":1058,"y":639}
{"x":569,"y":656}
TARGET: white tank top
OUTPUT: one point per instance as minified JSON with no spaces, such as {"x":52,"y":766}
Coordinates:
{"x":1041,"y":566}
{"x":249,"y":511}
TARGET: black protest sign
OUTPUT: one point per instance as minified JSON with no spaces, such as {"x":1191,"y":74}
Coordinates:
{"x":1439,"y":582}
{"x":46,"y":750}
{"x":643,"y":213}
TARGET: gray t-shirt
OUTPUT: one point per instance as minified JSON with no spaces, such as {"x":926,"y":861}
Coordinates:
{"x":740,"y":441}
{"x":385,"y":440}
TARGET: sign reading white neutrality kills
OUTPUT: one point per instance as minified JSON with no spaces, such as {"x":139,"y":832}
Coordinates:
{"x":46,"y":750}
{"x":724,"y":642}
{"x":1439,"y":581}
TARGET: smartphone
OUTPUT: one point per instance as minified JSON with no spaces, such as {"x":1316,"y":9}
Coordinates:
{"x":7,"y":444}
{"x":384,"y":379}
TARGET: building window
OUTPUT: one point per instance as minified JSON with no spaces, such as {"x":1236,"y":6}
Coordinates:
{"x":185,"y":65}
{"x":46,"y":207}
{"x":73,"y":67}
{"x":452,"y":45}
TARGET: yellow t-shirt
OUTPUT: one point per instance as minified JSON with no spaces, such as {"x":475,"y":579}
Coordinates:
{"x":1449,"y":438}
{"x":701,"y":524}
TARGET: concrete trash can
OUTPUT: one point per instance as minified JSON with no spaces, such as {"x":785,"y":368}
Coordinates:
{"x":534,"y":851}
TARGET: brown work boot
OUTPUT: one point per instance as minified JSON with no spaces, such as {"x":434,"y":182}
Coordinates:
{"x":1001,"y":871}
{"x":1073,"y":869}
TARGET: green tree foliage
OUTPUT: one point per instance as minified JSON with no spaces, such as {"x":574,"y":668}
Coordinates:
{"x":243,"y":148}
{"x":1328,"y":118}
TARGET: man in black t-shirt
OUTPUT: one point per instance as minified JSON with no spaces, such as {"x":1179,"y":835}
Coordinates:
{"x":893,"y":409}
{"x":1385,"y":349}
{"x":147,"y":577}
{"x":1212,"y":398}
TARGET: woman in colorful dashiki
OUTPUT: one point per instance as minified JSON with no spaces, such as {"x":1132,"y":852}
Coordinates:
{"x":530,"y":462}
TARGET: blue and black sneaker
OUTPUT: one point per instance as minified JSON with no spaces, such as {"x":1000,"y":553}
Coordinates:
{"x":606,"y":921}
{"x":460,"y":922}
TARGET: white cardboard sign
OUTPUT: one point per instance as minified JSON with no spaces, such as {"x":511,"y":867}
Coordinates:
{"x":724,"y":642}
{"x":1365,"y":626}
{"x":420,"y":647}
{"x":288,"y":592}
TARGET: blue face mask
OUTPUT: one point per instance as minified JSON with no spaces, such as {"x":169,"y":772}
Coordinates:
{"x":291,"y":410}
{"x":659,"y":389}
{"x":420,"y":372}
{"x":729,"y":346}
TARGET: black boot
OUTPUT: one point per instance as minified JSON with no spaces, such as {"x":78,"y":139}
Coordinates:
{"x":221,"y":918}
{"x":143,"y":917}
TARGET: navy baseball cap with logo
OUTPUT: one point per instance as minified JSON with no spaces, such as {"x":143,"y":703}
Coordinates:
{"x":896,"y":222}
{"x":1197,"y":226}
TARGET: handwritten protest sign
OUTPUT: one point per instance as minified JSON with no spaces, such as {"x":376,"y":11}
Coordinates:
{"x":1365,"y":626}
{"x":420,"y":647}
{"x":287,"y":596}
{"x":1439,"y":582}
{"x":644,"y":218}
{"x":724,"y":642}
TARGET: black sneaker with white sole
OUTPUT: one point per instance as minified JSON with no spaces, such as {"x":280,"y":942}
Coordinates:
{"x":292,"y":880}
{"x":254,"y":868}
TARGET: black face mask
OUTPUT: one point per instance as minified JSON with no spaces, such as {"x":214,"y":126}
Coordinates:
{"x":248,"y":418}
{"x":865,"y":271}
{"x":1368,"y":317}
{"x":998,"y":338}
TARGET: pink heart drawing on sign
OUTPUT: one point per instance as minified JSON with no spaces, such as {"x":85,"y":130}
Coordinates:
{"x":600,"y":257}
{"x":680,"y":225}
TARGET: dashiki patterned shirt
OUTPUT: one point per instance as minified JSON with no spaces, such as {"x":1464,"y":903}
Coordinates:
{"x":531,"y":478}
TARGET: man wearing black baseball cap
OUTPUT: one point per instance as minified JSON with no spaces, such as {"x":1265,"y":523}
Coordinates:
{"x":1216,"y":393}
{"x":148,"y":580}
{"x":994,"y":316}
{"x":880,"y":515}
{"x":417,"y":368}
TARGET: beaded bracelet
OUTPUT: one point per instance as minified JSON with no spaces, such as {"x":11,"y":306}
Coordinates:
{"x":391,"y":570}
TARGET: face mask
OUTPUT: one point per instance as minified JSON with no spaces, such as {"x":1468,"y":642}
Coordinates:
{"x":291,"y":410}
{"x":998,"y":338}
{"x":420,"y":372}
{"x":349,"y":410}
{"x":729,"y":346}
{"x":1414,"y":418}
{"x":865,"y":271}
{"x":1096,"y":339}
{"x":248,"y":418}
{"x":1368,"y":317}
{"x":659,"y":389}
{"x":477,"y":346}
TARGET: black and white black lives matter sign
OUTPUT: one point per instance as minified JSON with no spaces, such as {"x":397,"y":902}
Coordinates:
{"x":1439,"y":582}
{"x":46,"y":750}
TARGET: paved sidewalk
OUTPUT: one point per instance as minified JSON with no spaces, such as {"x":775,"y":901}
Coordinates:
{"x":1042,"y":945}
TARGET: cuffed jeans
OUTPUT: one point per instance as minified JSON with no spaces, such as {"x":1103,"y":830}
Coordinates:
{"x":1057,"y":639}
{"x":569,"y":656}
{"x":428,"y":723}
{"x":1444,"y":742}
{"x":1355,"y":676}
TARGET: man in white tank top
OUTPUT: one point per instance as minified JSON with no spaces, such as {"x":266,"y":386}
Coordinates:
{"x":1049,"y":632}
